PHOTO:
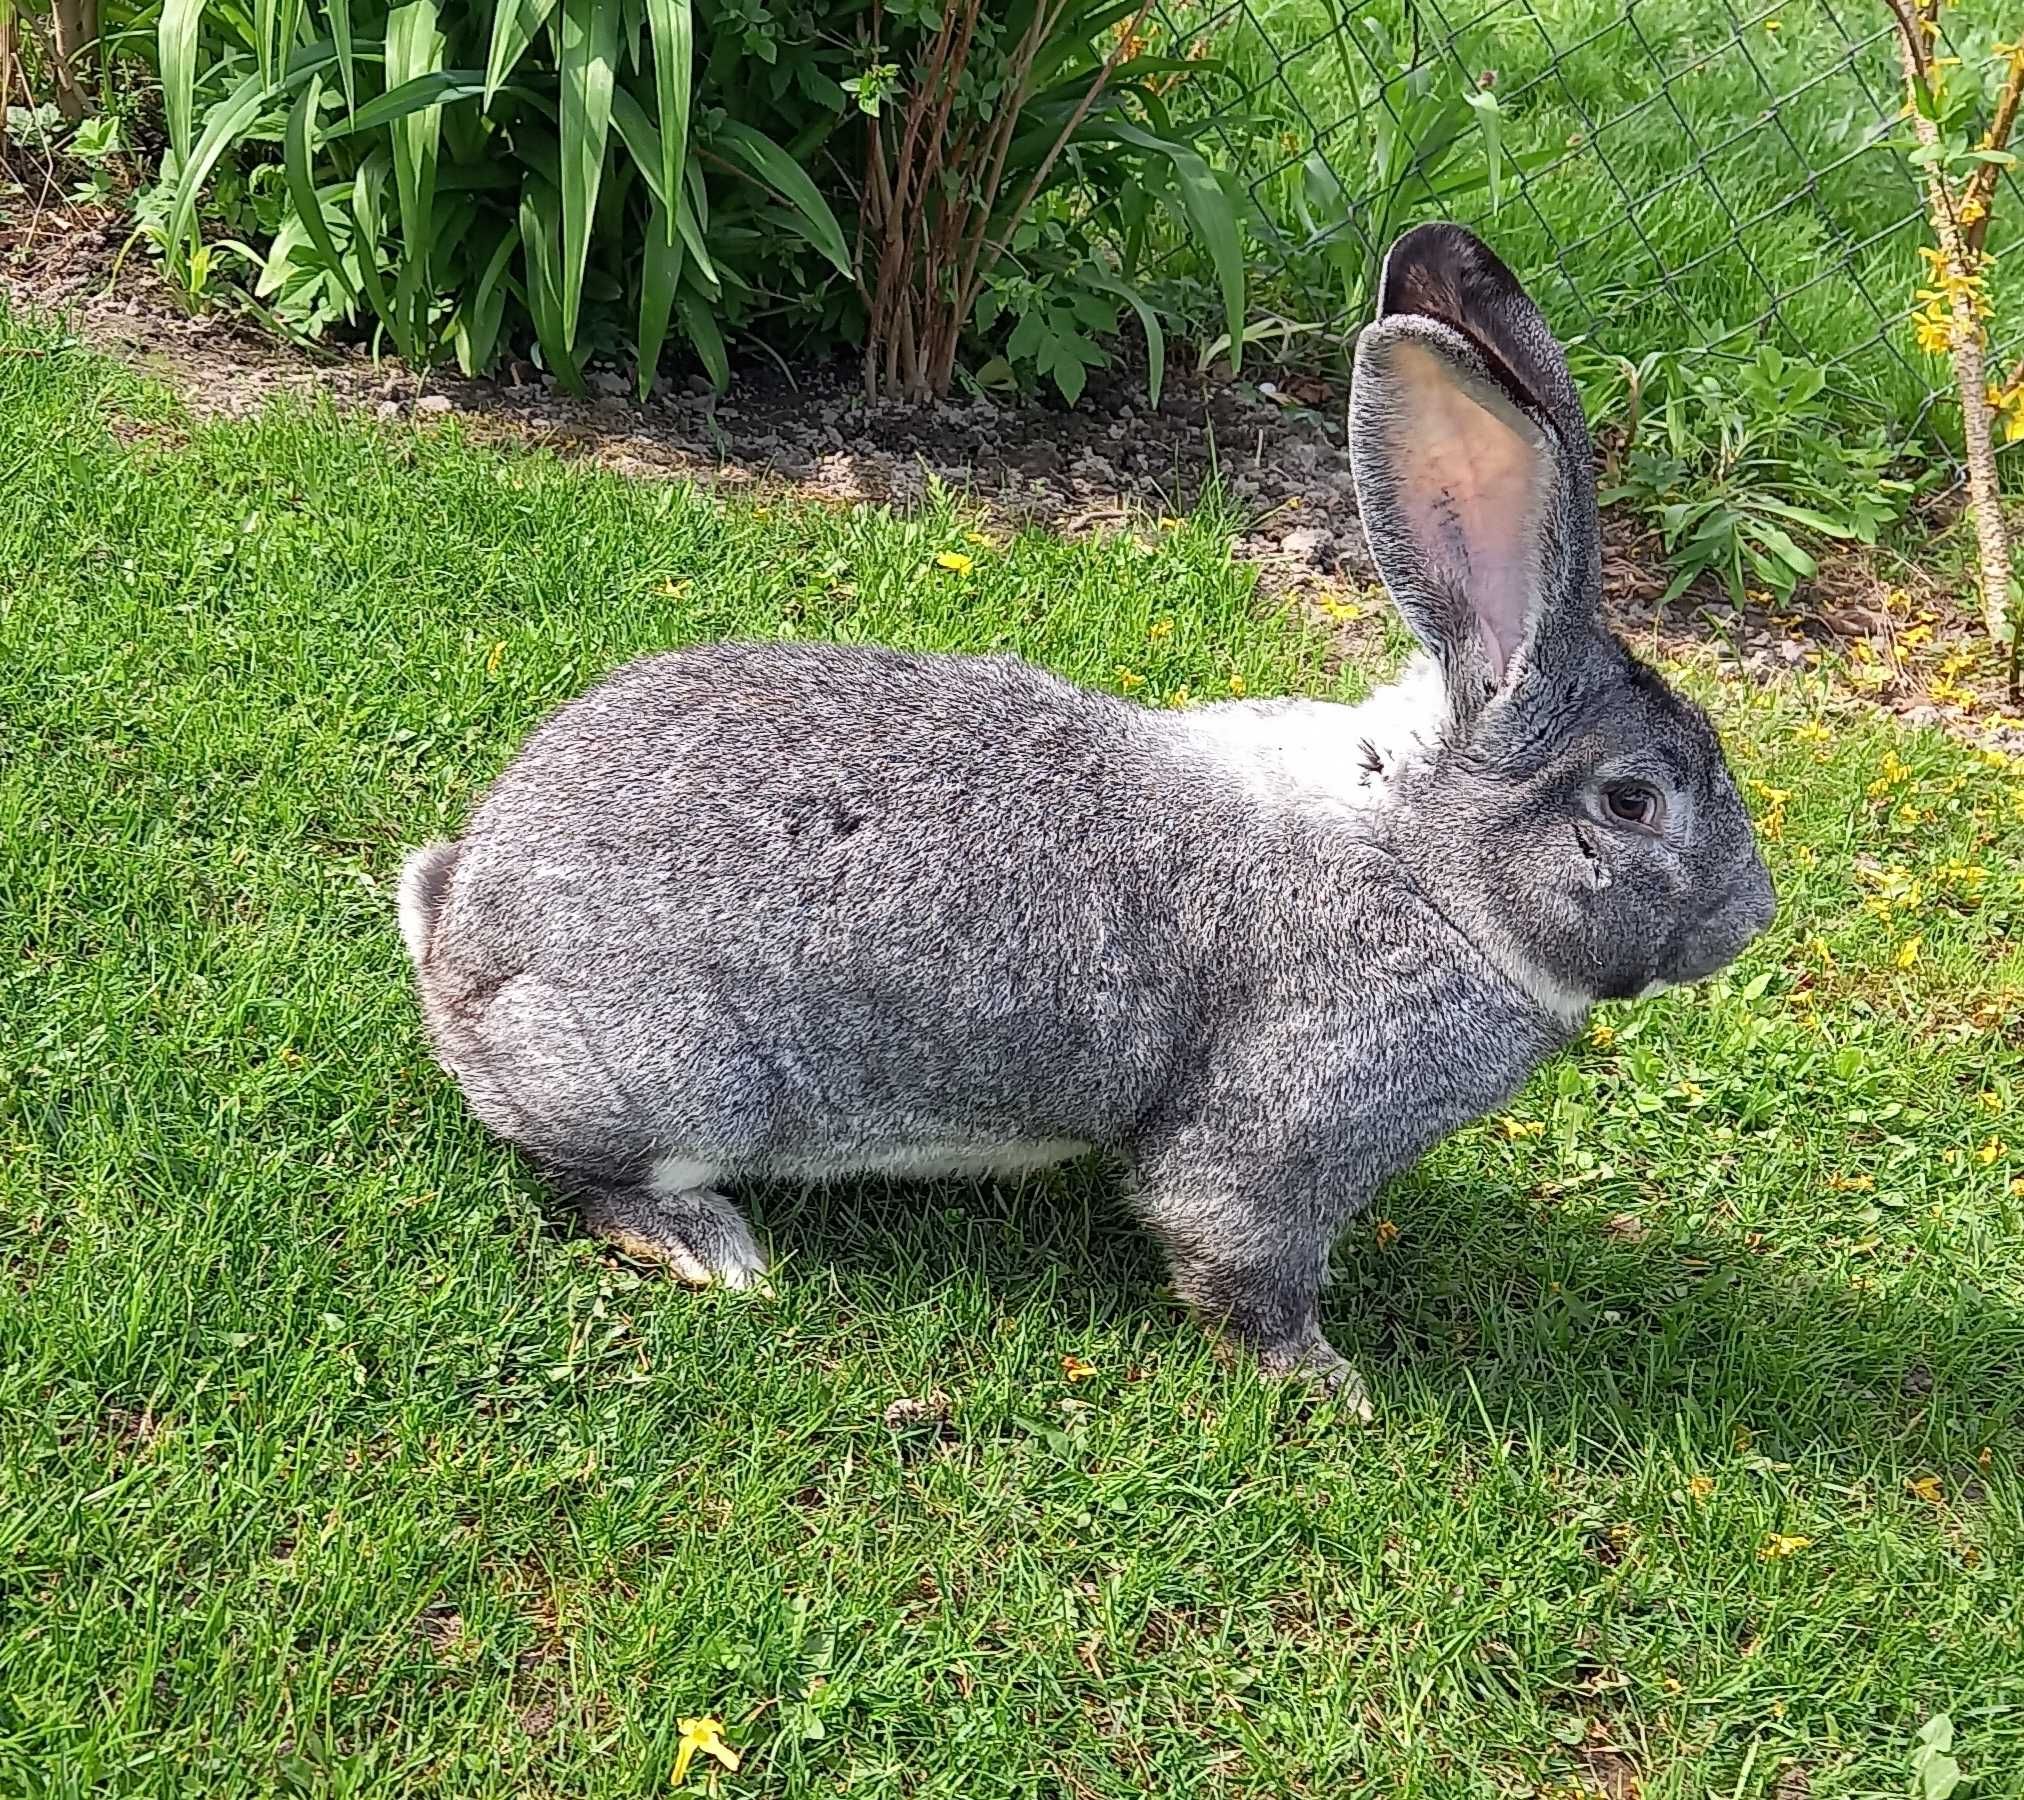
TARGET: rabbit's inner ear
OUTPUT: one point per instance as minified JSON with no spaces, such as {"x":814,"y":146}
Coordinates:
{"x":1471,"y":479}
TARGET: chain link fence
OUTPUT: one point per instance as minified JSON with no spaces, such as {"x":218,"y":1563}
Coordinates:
{"x":1689,"y":177}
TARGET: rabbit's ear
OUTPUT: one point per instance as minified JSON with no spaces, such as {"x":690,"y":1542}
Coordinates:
{"x":1472,"y":464}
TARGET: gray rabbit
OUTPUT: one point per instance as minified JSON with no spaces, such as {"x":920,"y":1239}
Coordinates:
{"x":791,"y":912}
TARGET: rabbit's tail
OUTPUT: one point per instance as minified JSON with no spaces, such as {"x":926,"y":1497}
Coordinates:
{"x":424,"y":882}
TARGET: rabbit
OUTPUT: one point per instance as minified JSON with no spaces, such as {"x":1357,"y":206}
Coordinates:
{"x":792,"y":912}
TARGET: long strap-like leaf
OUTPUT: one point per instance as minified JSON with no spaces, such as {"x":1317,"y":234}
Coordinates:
{"x":587,"y":58}
{"x":298,"y":146}
{"x":692,"y":205}
{"x":339,"y":14}
{"x":224,"y":123}
{"x":515,"y":24}
{"x":176,"y":47}
{"x":674,"y":54}
{"x":414,"y":48}
{"x":544,"y":275}
{"x":478,"y":327}
{"x":774,"y":168}
{"x":1209,"y":212}
{"x":660,"y":270}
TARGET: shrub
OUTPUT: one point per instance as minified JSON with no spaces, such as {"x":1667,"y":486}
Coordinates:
{"x":464,"y":174}
{"x":1741,"y":468}
{"x":595,"y":176}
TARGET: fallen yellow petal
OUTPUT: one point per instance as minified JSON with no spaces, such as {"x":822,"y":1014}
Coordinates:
{"x":1777,"y":1545}
{"x":1928,"y":1489}
{"x":1075,"y":1369}
{"x":704,"y":1736}
{"x":955,"y":562}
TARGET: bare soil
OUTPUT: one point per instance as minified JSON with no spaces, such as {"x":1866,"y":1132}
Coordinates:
{"x":1276,"y":443}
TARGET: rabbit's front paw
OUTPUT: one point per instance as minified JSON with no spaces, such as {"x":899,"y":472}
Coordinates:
{"x":1318,"y":1363}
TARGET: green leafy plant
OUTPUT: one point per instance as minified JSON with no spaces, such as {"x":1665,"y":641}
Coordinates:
{"x":459,"y":174}
{"x":1022,"y":140}
{"x":1434,"y":137}
{"x":1741,"y":470}
{"x":458,"y":177}
{"x":1063,"y":319}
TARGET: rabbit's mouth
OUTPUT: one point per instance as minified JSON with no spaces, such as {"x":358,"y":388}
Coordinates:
{"x":1730,"y":929}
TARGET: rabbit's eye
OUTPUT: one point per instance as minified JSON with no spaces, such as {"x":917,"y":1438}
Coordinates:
{"x":1634,"y":804}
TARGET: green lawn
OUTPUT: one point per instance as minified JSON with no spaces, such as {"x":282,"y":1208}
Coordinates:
{"x":332,"y":1463}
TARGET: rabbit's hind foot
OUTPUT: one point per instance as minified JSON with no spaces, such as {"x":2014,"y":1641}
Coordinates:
{"x":695,"y":1233}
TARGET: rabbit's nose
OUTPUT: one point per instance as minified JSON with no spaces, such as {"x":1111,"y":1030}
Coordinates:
{"x":1760,"y":899}
{"x":1744,"y":914}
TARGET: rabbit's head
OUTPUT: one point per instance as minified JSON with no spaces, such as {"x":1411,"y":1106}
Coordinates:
{"x":1572,"y":805}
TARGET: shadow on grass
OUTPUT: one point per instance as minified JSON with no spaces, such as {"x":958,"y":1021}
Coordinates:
{"x":1488,"y":1305}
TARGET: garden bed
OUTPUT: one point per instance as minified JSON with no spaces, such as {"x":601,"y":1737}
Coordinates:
{"x":1899,"y":633}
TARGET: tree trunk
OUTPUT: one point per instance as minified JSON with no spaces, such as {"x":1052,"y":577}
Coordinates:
{"x":73,"y":54}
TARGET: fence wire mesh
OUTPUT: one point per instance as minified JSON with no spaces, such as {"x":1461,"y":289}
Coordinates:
{"x":1691,"y":177}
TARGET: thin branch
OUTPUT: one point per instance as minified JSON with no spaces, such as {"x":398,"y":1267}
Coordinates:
{"x":1981,"y":194}
{"x":1966,"y":348}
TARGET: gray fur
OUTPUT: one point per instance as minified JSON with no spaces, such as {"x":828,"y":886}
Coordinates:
{"x":791,"y":911}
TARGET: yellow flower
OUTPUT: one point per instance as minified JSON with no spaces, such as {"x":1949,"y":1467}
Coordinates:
{"x":1523,"y":1128}
{"x":1179,"y":697}
{"x":1774,"y":26}
{"x":1777,"y":1546}
{"x":955,"y":562}
{"x":1700,"y":1487}
{"x":1992,"y":1151}
{"x":1908,"y":952}
{"x":975,"y":537}
{"x":1129,"y":679}
{"x":1933,"y":331}
{"x":496,"y":657}
{"x":1813,"y":732}
{"x":1386,"y":1233}
{"x":1160,"y":628}
{"x":1236,"y":684}
{"x":2008,"y":406}
{"x":704,"y":1737}
{"x":1169,"y":523}
{"x":1073,"y":1368}
{"x":1602,"y":1036}
{"x":1928,"y":1489}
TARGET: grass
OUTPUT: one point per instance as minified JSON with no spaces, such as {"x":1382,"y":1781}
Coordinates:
{"x":1694,"y":164}
{"x":334,"y":1464}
